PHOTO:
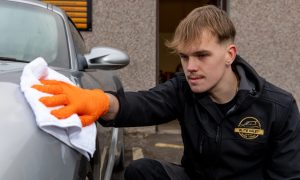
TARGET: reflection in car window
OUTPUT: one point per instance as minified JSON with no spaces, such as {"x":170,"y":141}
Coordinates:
{"x":29,"y":32}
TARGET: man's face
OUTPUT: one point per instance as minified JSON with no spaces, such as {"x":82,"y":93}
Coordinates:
{"x":204,"y":64}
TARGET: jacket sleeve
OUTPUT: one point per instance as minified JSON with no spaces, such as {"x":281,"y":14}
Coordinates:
{"x":284,"y":162}
{"x":144,"y":108}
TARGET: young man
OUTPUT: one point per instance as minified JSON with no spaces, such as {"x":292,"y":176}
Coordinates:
{"x":235,"y":125}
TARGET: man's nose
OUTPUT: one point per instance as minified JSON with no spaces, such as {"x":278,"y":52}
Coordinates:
{"x":192,"y":64}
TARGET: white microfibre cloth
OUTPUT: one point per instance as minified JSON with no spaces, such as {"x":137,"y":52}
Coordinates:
{"x":69,"y":130}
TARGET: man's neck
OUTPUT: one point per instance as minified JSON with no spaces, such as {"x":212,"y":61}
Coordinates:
{"x":226,"y":91}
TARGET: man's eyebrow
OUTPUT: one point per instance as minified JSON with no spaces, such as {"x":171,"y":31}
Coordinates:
{"x":196,"y":53}
{"x":202,"y":52}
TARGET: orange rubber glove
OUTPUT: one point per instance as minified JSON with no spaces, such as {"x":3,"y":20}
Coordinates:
{"x":89,"y":105}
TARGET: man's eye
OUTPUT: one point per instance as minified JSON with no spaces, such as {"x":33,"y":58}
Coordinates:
{"x":183,"y":57}
{"x":201,"y":55}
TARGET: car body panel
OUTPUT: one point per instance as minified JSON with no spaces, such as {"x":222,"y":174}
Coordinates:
{"x":61,"y":161}
{"x":20,"y":136}
{"x":28,"y":152}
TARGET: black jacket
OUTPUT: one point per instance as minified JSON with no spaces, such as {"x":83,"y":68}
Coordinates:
{"x":258,"y":138}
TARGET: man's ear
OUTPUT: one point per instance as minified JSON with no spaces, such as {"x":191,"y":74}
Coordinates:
{"x":231,"y":54}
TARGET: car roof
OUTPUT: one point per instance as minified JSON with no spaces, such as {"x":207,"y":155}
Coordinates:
{"x":39,"y":3}
{"x":32,"y":2}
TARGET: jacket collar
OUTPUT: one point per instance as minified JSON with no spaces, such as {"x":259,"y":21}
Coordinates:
{"x":251,"y":84}
{"x":249,"y":79}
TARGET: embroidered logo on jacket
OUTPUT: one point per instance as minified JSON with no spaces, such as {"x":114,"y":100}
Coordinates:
{"x":249,"y":128}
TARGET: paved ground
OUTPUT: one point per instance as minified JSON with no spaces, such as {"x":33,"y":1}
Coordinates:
{"x":164,"y":144}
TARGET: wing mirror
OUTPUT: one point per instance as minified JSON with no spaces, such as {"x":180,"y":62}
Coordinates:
{"x":106,"y":58}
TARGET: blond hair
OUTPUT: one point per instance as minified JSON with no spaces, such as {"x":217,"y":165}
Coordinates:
{"x":210,"y":18}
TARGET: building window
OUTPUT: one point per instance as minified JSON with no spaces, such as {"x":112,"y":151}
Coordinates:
{"x":80,"y":12}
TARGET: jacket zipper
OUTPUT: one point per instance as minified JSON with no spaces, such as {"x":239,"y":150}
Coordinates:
{"x":218,"y":142}
{"x":218,"y":134}
{"x":201,"y":144}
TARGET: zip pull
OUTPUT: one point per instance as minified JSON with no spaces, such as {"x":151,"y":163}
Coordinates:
{"x":253,"y":92}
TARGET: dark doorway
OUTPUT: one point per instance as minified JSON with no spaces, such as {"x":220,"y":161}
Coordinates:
{"x":171,"y":12}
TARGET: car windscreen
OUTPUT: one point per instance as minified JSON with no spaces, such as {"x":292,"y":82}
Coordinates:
{"x":28,"y":32}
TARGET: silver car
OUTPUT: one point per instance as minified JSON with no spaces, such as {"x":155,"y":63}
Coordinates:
{"x":31,"y":29}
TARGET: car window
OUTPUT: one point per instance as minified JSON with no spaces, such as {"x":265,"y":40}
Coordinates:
{"x":28,"y":32}
{"x":78,"y":40}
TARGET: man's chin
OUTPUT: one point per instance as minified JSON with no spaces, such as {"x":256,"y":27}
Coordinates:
{"x":197,"y":89}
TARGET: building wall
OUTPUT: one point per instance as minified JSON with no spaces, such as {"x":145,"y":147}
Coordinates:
{"x":268,"y":37}
{"x":129,"y":25}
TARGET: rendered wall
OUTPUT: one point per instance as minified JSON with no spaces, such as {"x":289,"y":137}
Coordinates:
{"x":129,"y":25}
{"x":268,"y":37}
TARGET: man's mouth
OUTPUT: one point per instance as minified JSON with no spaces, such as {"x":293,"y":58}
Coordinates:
{"x":194,"y":78}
